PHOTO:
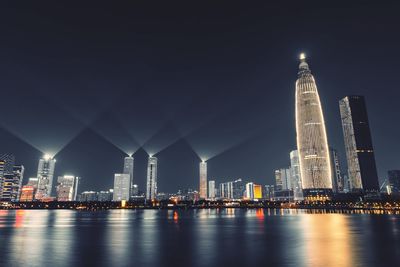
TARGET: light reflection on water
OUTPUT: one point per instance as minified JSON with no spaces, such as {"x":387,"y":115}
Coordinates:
{"x":209,"y":237}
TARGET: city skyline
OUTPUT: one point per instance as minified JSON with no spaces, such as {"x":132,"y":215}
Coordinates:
{"x":180,"y":93}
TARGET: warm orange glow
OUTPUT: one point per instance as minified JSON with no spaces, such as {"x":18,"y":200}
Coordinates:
{"x":176,"y":216}
{"x":257,"y":191}
{"x":123,"y":203}
{"x":260,"y":214}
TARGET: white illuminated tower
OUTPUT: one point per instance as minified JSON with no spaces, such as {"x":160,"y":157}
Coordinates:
{"x":122,"y":186}
{"x":203,"y":180}
{"x":128,"y":169}
{"x":312,"y":142}
{"x":151,"y":188}
{"x":45,"y":175}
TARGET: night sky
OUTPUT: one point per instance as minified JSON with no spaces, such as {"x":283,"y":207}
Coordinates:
{"x":90,"y":83}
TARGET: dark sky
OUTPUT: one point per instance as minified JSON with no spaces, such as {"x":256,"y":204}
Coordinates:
{"x":197,"y":80}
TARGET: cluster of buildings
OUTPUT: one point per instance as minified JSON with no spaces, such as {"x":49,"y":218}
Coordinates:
{"x":314,"y":172}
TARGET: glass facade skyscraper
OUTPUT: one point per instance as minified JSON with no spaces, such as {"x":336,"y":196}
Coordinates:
{"x":151,"y":187}
{"x":45,"y":175}
{"x":312,"y":141}
{"x":361,"y":165}
{"x":203,"y":180}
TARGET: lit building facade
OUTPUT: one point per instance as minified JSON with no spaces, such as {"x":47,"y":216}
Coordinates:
{"x":312,"y":141}
{"x":337,"y":179}
{"x":151,"y":186}
{"x":27,"y":193}
{"x":295,"y":175}
{"x":45,"y":175}
{"x":203,"y":180}
{"x":122,"y":186}
{"x":257,"y":191}
{"x":283,"y":179}
{"x":212,"y":189}
{"x":67,"y":187}
{"x":361,"y":164}
{"x":394,"y":181}
{"x":6,"y":167}
{"x":250,"y":191}
{"x":88,"y":196}
{"x":128,"y":169}
{"x":105,"y":196}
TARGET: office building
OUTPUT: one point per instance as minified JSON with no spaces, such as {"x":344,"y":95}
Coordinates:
{"x":295,"y":175}
{"x":394,"y":181}
{"x":361,"y":165}
{"x":6,"y":167}
{"x":128,"y":169}
{"x":212,"y":189}
{"x":250,"y":191}
{"x":151,"y":187}
{"x":45,"y":175}
{"x":67,"y":187}
{"x":88,"y":196}
{"x":122,"y":186}
{"x":337,"y":179}
{"x":257,"y":191}
{"x":312,"y":141}
{"x":283,"y":179}
{"x":203,"y":180}
{"x":12,"y":184}
{"x":105,"y":196}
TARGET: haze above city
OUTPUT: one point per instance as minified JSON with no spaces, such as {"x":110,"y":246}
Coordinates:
{"x":188,"y":83}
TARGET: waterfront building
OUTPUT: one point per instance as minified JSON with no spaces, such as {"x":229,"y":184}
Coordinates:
{"x":6,"y":167}
{"x":361,"y":165}
{"x":151,"y":187}
{"x":122,"y":186}
{"x":283,"y":179}
{"x":88,"y":196}
{"x":211,"y":189}
{"x":27,"y":193}
{"x":67,"y":187}
{"x":45,"y":175}
{"x":337,"y":179}
{"x":295,"y":175}
{"x":250,"y":191}
{"x":105,"y":196}
{"x":257,"y":191}
{"x":394,"y":181}
{"x":135,"y":190}
{"x":128,"y":169}
{"x":203,"y":180}
{"x":312,"y":141}
{"x":269,"y":192}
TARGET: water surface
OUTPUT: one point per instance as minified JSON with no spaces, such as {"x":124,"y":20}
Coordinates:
{"x":230,"y":237}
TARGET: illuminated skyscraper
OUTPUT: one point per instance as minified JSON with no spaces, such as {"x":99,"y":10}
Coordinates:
{"x":128,"y":169}
{"x":67,"y":186}
{"x":211,"y":189}
{"x":283,"y":179}
{"x":358,"y":143}
{"x":295,"y":175}
{"x":122,"y":186}
{"x":12,"y":184}
{"x":312,"y":142}
{"x":151,"y":188}
{"x":45,"y":175}
{"x":6,"y":167}
{"x":203,"y":179}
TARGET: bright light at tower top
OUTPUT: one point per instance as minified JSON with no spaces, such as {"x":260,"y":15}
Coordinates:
{"x":302,"y":56}
{"x":47,"y":156}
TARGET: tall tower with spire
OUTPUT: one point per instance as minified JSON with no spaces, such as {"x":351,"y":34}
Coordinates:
{"x":312,"y":142}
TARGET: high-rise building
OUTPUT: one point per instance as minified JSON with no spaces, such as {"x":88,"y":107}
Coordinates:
{"x":295,"y":175}
{"x":45,"y":175}
{"x":337,"y":179}
{"x":257,"y":191}
{"x":250,"y":191}
{"x":283,"y":179}
{"x":6,"y":167}
{"x":203,"y":180}
{"x":361,"y":165}
{"x":394,"y":181}
{"x":128,"y":169}
{"x":67,"y":187}
{"x":211,"y":189}
{"x":122,"y":186}
{"x":312,"y":141}
{"x":12,"y":184}
{"x":151,"y":188}
{"x":269,"y":192}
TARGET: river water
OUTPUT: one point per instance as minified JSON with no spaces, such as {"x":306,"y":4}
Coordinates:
{"x":226,"y":237}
